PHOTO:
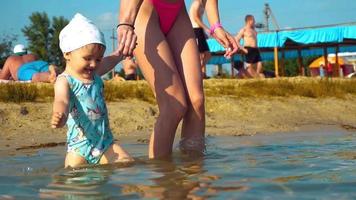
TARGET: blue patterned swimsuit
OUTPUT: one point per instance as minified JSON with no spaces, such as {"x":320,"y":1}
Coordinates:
{"x":89,"y":134}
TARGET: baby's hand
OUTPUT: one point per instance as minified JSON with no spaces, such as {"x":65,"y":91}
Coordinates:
{"x":58,"y":120}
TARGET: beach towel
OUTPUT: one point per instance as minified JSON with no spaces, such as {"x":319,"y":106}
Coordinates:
{"x":27,"y":70}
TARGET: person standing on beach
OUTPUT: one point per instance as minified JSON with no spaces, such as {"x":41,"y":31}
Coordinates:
{"x":79,"y":100}
{"x":168,"y":56}
{"x":253,"y":56}
{"x":200,"y":29}
{"x":26,"y":67}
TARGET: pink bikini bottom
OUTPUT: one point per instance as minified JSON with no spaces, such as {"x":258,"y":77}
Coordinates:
{"x":167,"y":13}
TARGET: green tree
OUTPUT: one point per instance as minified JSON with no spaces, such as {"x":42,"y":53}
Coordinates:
{"x":6,"y":44}
{"x":43,"y":37}
{"x":38,"y":34}
{"x":55,"y":52}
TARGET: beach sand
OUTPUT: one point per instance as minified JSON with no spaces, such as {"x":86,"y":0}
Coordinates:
{"x":27,"y":125}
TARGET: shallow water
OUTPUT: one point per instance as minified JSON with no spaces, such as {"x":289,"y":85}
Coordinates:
{"x":279,"y":166}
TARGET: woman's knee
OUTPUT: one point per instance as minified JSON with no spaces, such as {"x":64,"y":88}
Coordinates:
{"x":171,"y":106}
{"x":197,"y":101}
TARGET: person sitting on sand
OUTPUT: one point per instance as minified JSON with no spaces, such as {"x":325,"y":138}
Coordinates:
{"x":130,"y":67}
{"x":79,"y":100}
{"x":253,"y":57}
{"x":25,"y":67}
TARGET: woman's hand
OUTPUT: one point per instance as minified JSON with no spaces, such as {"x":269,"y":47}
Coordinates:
{"x":227,"y":41}
{"x":126,"y":39}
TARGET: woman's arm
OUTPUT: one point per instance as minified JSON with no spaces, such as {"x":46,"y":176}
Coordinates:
{"x":125,"y":30}
{"x":212,"y":11}
{"x":222,"y":36}
{"x":129,"y":10}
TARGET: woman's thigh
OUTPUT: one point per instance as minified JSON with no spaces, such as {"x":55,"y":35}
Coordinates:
{"x":183,"y":44}
{"x":154,"y":56}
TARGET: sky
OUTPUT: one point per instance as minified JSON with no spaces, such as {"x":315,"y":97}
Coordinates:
{"x":15,"y":14}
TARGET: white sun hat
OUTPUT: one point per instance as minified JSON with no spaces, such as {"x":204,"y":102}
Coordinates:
{"x":20,"y":48}
{"x":79,"y":32}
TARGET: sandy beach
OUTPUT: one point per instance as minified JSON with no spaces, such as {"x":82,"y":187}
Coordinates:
{"x":26,"y":125}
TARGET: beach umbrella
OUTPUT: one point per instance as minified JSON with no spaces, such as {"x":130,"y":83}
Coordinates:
{"x":320,"y":61}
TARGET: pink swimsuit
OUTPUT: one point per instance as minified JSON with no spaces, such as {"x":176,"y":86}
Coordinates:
{"x":167,"y":13}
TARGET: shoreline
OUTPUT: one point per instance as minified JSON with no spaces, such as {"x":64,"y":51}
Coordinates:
{"x":27,"y":125}
{"x":143,"y":138}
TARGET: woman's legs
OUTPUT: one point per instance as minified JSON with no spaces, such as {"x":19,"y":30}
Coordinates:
{"x":181,"y":39}
{"x":155,"y":59}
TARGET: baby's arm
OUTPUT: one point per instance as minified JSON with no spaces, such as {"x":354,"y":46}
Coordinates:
{"x":107,"y":63}
{"x":61,"y":103}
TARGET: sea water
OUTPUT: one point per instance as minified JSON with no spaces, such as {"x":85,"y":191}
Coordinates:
{"x":317,"y":165}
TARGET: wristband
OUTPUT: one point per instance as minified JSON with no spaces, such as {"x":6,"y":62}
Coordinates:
{"x":125,"y":24}
{"x":214,"y":27}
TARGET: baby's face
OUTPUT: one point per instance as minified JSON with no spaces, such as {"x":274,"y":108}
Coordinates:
{"x":85,"y":60}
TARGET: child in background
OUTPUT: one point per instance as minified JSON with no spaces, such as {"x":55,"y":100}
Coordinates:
{"x":79,"y":100}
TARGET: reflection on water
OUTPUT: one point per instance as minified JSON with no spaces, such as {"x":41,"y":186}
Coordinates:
{"x":75,"y":183}
{"x":298,"y":166}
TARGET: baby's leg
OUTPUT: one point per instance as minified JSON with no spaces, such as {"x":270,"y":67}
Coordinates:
{"x":115,"y":153}
{"x":74,"y":160}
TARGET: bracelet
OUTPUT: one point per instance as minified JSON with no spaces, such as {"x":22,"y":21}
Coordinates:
{"x":214,"y":27}
{"x":125,"y":24}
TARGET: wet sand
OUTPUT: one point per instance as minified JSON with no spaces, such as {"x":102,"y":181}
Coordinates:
{"x":26,"y":126}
